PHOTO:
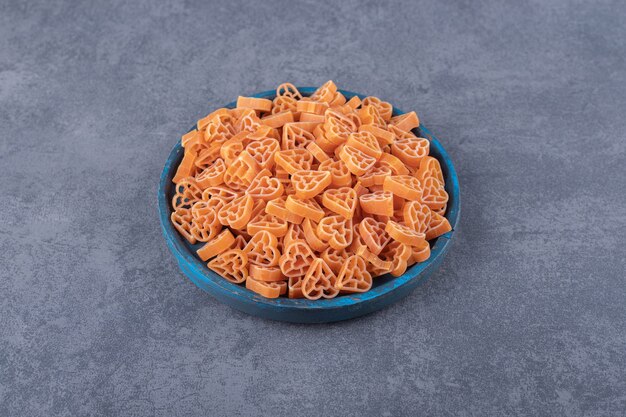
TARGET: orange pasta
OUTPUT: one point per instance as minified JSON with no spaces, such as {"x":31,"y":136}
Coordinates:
{"x":311,"y":237}
{"x":404,"y":186}
{"x":336,"y":231}
{"x":266,"y":289}
{"x":342,"y":201}
{"x":232,"y":265}
{"x":278,"y":119}
{"x":374,"y":235}
{"x":309,"y":209}
{"x":266,"y":273}
{"x":309,"y":197}
{"x":319,"y":281}
{"x":260,"y":104}
{"x":296,"y":259}
{"x":353,"y":276}
{"x":406,"y":122}
{"x":307,"y":184}
{"x":220,"y":244}
{"x":378,"y":202}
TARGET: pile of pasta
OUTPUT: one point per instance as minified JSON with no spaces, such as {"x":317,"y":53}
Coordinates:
{"x":309,"y":196}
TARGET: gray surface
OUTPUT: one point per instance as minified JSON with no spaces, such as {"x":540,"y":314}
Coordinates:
{"x":526,"y":317}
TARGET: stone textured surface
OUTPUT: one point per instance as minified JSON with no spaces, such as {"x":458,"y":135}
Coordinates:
{"x":527,"y":315}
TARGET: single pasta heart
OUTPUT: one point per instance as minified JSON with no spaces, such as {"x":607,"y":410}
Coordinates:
{"x":232,"y":265}
{"x":262,"y":249}
{"x":319,"y":281}
{"x":296,"y":259}
{"x":353,"y":276}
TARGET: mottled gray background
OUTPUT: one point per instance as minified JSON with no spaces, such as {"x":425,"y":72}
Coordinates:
{"x":526,"y":316}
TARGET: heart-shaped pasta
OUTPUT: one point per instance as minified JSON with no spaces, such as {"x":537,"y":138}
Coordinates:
{"x":319,"y":281}
{"x":309,"y":197}
{"x":353,"y":276}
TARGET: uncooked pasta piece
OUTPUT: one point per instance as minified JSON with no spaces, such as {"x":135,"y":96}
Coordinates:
{"x":406,"y":122}
{"x":319,"y":281}
{"x":433,"y":194}
{"x":404,"y":186}
{"x":374,"y":235}
{"x":258,"y":104}
{"x":266,"y":273}
{"x":353,"y":276}
{"x":342,"y":200}
{"x":308,"y":209}
{"x":266,"y":289}
{"x":232,"y":265}
{"x":336,"y":231}
{"x":403,"y":234}
{"x":221,"y":243}
{"x":296,"y":258}
{"x":379,"y":202}
{"x":262,"y":249}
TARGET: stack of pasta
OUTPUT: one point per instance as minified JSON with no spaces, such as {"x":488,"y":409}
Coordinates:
{"x":309,"y":196}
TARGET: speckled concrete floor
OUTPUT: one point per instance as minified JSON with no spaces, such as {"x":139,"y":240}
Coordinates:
{"x":526,"y":316}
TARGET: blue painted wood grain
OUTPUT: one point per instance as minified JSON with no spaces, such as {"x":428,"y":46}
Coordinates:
{"x":385,"y":291}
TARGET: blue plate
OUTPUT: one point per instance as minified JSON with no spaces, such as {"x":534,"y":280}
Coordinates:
{"x":385,"y":291}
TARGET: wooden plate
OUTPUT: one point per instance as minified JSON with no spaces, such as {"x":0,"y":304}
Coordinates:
{"x":385,"y":291}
